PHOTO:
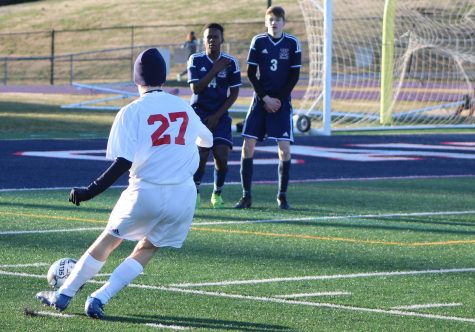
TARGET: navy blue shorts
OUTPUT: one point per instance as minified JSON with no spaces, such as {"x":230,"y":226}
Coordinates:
{"x":222,"y":133}
{"x":260,"y":124}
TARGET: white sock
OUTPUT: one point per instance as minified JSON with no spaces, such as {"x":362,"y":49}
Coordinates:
{"x":123,"y":275}
{"x":85,"y":268}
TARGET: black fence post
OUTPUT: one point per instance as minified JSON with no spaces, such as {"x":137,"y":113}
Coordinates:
{"x":71,"y":69}
{"x":51,"y":77}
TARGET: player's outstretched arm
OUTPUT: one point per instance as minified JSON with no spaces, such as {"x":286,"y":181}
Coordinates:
{"x":118,"y":167}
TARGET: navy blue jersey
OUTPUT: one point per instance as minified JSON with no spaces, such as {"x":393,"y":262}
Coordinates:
{"x":216,"y":93}
{"x":274,"y":59}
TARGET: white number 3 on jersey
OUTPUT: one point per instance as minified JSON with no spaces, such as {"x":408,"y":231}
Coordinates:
{"x":273,"y":64}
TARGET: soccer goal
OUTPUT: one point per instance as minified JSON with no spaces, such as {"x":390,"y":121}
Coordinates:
{"x":393,"y":64}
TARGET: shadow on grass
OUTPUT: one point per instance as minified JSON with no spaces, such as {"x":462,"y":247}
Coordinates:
{"x":203,"y":323}
{"x":415,"y":227}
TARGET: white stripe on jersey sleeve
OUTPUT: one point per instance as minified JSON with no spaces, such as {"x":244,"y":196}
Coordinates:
{"x":297,"y":43}
{"x":192,"y":58}
{"x":253,"y":42}
{"x":233,"y":59}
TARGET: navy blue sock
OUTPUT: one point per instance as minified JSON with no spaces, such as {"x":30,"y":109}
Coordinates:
{"x":197,"y":178}
{"x":284,"y":170}
{"x":246,"y":175}
{"x":219,"y":178}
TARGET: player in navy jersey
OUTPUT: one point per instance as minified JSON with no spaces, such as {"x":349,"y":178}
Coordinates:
{"x":277,"y":55}
{"x":211,"y":75}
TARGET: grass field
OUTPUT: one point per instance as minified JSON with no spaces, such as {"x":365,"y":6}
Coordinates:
{"x":392,"y":255}
{"x":351,"y":256}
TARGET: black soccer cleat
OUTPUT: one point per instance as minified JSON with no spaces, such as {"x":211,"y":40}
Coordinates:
{"x":244,"y":203}
{"x":282,"y":202}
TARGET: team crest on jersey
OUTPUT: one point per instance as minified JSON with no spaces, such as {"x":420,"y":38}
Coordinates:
{"x":222,"y":74}
{"x":284,"y":54}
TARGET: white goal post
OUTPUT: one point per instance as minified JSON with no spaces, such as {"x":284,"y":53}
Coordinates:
{"x":393,"y":64}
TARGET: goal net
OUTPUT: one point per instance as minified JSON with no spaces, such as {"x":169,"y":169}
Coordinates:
{"x":394,"y":64}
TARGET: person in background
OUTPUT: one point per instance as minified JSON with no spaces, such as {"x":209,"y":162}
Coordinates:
{"x":190,"y":45}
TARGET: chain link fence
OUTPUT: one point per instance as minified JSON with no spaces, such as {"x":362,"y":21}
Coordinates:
{"x":107,"y":54}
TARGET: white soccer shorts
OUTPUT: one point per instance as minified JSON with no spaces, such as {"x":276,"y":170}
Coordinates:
{"x":161,"y":213}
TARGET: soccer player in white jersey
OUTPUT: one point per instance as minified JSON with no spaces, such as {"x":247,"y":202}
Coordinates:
{"x":214,"y":78}
{"x":277,"y":55}
{"x":155,"y":138}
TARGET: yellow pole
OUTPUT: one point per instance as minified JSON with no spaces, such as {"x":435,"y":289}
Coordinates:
{"x":387,"y":63}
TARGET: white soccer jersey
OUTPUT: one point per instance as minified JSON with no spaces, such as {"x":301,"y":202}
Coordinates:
{"x":159,"y":134}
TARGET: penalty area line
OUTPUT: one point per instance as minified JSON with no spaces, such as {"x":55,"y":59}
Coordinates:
{"x":34,"y":313}
{"x":324,"y":218}
{"x":427,"y":306}
{"x":323,"y":277}
{"x":169,"y":327}
{"x":311,"y":304}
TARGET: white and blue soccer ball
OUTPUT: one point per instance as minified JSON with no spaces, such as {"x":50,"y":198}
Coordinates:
{"x":59,"y":271}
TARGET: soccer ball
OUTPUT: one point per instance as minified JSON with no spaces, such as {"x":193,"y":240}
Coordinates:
{"x":59,"y":271}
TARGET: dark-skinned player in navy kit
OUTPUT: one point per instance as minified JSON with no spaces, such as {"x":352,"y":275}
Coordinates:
{"x":214,"y":77}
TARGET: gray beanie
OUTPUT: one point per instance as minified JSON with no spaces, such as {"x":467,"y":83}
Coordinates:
{"x":150,"y":69}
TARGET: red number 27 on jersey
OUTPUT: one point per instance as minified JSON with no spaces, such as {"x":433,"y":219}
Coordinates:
{"x":158,"y":138}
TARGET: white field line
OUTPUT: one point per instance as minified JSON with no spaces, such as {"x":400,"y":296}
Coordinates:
{"x":21,"y":274}
{"x":410,"y":177}
{"x":62,"y":315}
{"x":295,"y":296}
{"x":65,"y":230}
{"x":358,"y":216}
{"x":429,"y":305}
{"x":40,"y":276}
{"x":23,"y":265}
{"x":277,"y":300}
{"x":312,"y":304}
{"x":54,"y":314}
{"x":324,"y":277}
{"x":170,"y":327}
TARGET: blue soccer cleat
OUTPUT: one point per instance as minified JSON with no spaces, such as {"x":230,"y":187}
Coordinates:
{"x":94,"y":308}
{"x":54,"y":299}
